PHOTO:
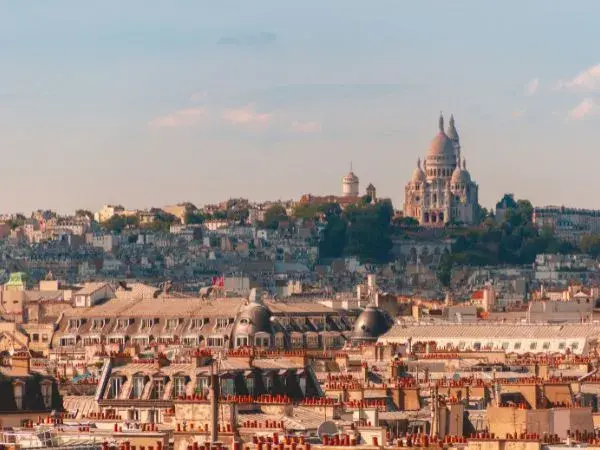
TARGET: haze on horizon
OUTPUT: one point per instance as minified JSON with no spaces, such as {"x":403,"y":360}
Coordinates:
{"x":147,"y":103}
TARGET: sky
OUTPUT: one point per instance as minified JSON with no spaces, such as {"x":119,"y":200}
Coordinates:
{"x":147,"y":103}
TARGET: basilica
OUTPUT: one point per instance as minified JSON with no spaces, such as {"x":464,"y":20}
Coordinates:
{"x":441,"y":191}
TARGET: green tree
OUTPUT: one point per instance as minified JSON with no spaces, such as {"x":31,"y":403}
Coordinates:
{"x":84,"y":213}
{"x":274,"y":216}
{"x":116,"y":224}
{"x":194,"y":217}
{"x":444,"y":270}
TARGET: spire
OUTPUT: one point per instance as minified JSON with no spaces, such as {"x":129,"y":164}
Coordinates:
{"x":464,"y":164}
{"x":350,"y":166}
{"x":451,"y":121}
{"x":441,"y":122}
{"x":419,"y":163}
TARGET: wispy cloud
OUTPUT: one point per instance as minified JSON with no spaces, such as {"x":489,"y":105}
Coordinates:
{"x":532,"y":87}
{"x":306,"y":127}
{"x":586,"y":81}
{"x":586,"y":108}
{"x":246,"y":115}
{"x":519,"y":113}
{"x":182,"y":118}
{"x":197,"y":97}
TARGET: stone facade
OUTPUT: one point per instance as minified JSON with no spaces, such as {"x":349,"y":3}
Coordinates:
{"x":442,"y":191}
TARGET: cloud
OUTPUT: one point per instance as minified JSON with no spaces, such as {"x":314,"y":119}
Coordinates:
{"x":246,"y":115}
{"x":586,"y":108}
{"x":182,"y":118}
{"x":197,"y":97}
{"x":532,"y":87}
{"x":519,"y":113}
{"x":588,"y":80}
{"x":306,"y":127}
{"x":249,"y":39}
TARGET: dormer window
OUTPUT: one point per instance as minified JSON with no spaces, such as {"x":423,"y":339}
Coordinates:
{"x":46,"y":387}
{"x":196,"y":323}
{"x":98,"y":324}
{"x":114,"y":387}
{"x":222,"y":322}
{"x":171,"y":324}
{"x":19,"y":393}
{"x":122,"y":324}
{"x":146,"y":323}
{"x":74,"y":324}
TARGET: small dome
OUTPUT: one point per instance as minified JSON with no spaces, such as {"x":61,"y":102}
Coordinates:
{"x":252,"y":318}
{"x":460,"y":176}
{"x":418,"y":176}
{"x":370,"y":324}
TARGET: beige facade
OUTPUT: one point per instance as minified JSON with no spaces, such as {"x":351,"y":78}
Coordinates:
{"x":442,"y":191}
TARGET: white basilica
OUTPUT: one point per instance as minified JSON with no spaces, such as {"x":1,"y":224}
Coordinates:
{"x":442,"y":191}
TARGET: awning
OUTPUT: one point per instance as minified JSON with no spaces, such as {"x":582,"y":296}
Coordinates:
{"x":283,"y":371}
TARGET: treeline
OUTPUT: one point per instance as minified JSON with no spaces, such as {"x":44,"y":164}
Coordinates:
{"x":362,"y":230}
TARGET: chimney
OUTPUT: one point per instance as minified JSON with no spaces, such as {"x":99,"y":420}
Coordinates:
{"x":21,"y":363}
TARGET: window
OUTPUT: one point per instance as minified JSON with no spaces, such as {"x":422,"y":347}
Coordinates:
{"x":461,"y":345}
{"x":138,"y":386}
{"x":115,"y":387}
{"x":133,"y":414}
{"x":262,"y":341}
{"x":47,"y":394}
{"x":122,"y":324}
{"x":574,"y":345}
{"x":241,"y":341}
{"x":533,"y":346}
{"x":35,"y":337}
{"x":201,"y":384}
{"x":302,"y":381}
{"x":505,"y":346}
{"x":227,"y":386}
{"x":215,"y":342}
{"x":74,"y":324}
{"x":179,"y":387}
{"x":98,"y":324}
{"x":477,"y":345}
{"x":222,"y":322}
{"x":158,"y":390}
{"x":250,"y":384}
{"x":172,"y":324}
{"x":190,"y":341}
{"x":312,"y":340}
{"x":196,"y":323}
{"x":44,"y":338}
{"x":562,"y":345}
{"x":19,"y":391}
{"x":146,"y":323}
{"x":546,"y":345}
{"x":268,"y":382}
{"x":517,"y":345}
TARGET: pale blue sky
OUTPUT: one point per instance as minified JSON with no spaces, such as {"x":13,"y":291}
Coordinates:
{"x":147,"y":103}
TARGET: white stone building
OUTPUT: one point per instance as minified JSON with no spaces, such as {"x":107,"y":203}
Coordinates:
{"x":442,"y":191}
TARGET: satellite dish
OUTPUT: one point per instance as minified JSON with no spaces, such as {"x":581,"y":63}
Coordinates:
{"x":328,"y":428}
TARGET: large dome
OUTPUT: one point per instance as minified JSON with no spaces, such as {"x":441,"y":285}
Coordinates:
{"x":441,"y":146}
{"x":371,"y":324}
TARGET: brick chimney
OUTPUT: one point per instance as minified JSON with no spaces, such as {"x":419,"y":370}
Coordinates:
{"x":21,"y":363}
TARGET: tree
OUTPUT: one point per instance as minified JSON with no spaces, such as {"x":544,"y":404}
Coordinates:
{"x":590,"y":244}
{"x":84,"y":213}
{"x":444,"y":270}
{"x":194,"y":217}
{"x":405,"y":222}
{"x":274,"y":215}
{"x":116,"y":224}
